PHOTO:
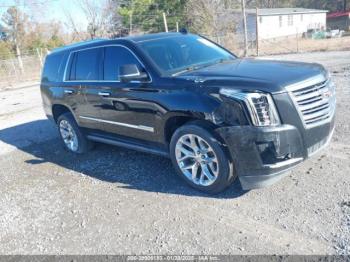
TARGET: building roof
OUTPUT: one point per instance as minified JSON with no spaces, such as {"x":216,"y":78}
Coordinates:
{"x":338,"y":14}
{"x":285,"y":11}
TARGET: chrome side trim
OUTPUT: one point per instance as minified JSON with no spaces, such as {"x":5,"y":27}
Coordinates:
{"x":102,"y":81}
{"x":104,"y":93}
{"x":128,"y":75}
{"x":284,"y":163}
{"x":140,"y":127}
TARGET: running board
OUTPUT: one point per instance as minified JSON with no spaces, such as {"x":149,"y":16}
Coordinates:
{"x":129,"y":145}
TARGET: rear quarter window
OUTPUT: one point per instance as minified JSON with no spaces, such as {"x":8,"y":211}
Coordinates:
{"x":51,"y":69}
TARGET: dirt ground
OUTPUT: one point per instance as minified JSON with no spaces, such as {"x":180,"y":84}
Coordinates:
{"x":297,"y":44}
{"x":117,"y":201}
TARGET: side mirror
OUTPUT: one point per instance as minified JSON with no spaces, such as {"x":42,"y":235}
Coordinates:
{"x":128,"y":73}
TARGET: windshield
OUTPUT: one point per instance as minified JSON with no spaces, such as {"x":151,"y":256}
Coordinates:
{"x":178,"y":54}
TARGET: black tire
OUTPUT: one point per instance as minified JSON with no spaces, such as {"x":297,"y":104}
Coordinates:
{"x":226,"y":174}
{"x":84,"y":145}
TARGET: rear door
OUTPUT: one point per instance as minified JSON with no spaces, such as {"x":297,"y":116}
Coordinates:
{"x":86,"y":71}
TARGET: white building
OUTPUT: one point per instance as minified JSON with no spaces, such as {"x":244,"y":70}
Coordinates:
{"x":283,"y":22}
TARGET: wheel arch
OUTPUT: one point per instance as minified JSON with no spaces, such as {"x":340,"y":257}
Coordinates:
{"x":58,"y":110}
{"x":175,"y":122}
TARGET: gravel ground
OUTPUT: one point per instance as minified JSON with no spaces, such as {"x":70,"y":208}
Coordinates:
{"x":116,"y":201}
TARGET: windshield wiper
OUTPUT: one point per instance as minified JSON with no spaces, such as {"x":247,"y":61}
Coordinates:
{"x":195,"y":67}
{"x":187,"y":69}
{"x":222,"y":60}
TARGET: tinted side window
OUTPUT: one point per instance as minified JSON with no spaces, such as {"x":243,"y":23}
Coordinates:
{"x":52,"y":67}
{"x":87,"y":65}
{"x":114,"y":57}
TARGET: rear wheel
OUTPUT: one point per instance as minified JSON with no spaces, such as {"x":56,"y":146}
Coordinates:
{"x":71,"y":135}
{"x":200,"y":159}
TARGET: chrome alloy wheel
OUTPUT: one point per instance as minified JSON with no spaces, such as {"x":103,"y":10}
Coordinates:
{"x":197,"y":160}
{"x":69,"y":136}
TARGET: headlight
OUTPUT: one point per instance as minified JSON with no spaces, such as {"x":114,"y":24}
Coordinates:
{"x":331,"y":84}
{"x":260,"y":106}
{"x":328,"y":75}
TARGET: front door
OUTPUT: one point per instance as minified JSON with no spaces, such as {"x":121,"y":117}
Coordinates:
{"x":128,"y":109}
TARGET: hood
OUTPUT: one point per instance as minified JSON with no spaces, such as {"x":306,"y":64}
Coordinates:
{"x":255,"y":74}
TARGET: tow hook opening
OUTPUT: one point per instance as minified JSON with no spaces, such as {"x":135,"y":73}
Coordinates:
{"x":269,"y":155}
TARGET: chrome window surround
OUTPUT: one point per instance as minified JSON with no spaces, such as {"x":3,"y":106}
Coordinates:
{"x":102,"y":81}
{"x":309,"y":83}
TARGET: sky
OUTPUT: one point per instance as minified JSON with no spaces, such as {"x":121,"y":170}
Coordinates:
{"x":47,"y":10}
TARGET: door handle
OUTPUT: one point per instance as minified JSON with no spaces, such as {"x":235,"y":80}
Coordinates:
{"x":104,"y":93}
{"x":68,"y":91}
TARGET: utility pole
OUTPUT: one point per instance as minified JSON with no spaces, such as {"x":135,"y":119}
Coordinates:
{"x":39,"y":53}
{"x":17,"y":45}
{"x":130,"y":23}
{"x":257,"y":32}
{"x":297,"y":39}
{"x":19,"y":58}
{"x":245,"y":28}
{"x":130,"y":17}
{"x":165,"y":23}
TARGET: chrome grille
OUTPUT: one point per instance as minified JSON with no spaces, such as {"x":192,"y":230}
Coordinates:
{"x":315,"y":102}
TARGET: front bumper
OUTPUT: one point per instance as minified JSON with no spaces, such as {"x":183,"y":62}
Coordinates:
{"x":263,"y":155}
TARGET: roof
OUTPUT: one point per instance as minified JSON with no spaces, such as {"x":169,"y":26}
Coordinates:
{"x":338,"y":14}
{"x":78,"y":44}
{"x":137,"y":39}
{"x":147,"y":37}
{"x":285,"y":11}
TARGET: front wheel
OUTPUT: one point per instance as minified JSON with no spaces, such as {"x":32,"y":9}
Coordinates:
{"x":200,"y":160}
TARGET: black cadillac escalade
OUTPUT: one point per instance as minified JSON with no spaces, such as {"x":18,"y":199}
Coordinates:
{"x":180,"y":95}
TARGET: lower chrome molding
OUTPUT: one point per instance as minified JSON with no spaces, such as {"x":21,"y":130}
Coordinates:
{"x":140,"y":127}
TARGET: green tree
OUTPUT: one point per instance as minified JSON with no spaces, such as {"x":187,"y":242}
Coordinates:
{"x":270,"y":3}
{"x":14,"y":25}
{"x":333,"y":5}
{"x":14,"y":22}
{"x":147,"y":15}
{"x":54,"y":41}
{"x":211,"y":17}
{"x":5,"y":50}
